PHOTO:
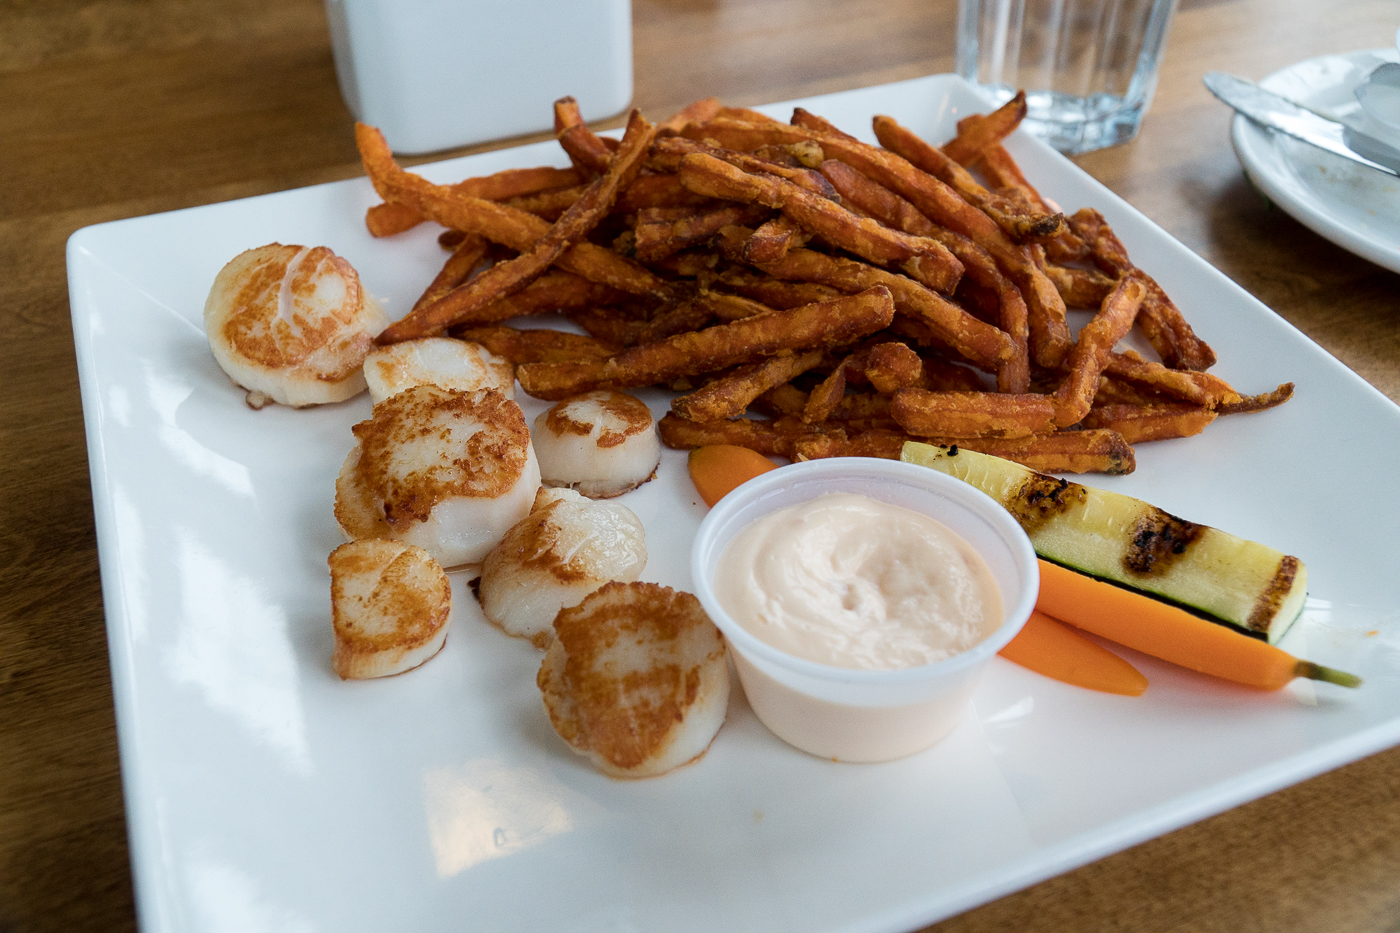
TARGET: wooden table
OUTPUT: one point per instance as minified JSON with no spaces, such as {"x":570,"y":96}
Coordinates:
{"x":119,"y":108}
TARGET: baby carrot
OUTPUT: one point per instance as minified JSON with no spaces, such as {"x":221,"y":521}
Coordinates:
{"x":1164,"y":631}
{"x":718,"y":468}
{"x":1055,"y":650}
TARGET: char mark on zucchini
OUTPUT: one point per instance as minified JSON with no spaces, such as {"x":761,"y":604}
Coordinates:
{"x":1041,"y":498}
{"x":1266,"y":607}
{"x":1159,"y":538}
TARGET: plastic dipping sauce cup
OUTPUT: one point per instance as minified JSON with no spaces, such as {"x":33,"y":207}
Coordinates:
{"x":855,"y":715}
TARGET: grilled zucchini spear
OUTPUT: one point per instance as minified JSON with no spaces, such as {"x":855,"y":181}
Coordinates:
{"x":1129,"y":542}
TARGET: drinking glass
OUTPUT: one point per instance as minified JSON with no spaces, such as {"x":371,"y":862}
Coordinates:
{"x":1088,"y":67}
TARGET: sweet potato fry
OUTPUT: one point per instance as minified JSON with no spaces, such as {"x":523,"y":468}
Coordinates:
{"x":857,"y":411}
{"x":863,"y":407}
{"x":770,"y":242}
{"x":512,"y":275}
{"x":979,"y":342}
{"x":614,"y":325}
{"x":804,"y":154}
{"x":734,"y":307}
{"x":766,"y":437}
{"x":824,"y":325}
{"x":668,"y":153}
{"x":1006,"y":177}
{"x":893,"y":366}
{"x":468,"y":254}
{"x":1095,"y":451}
{"x":586,"y":151}
{"x":1080,"y":288}
{"x":945,"y":206}
{"x":1138,"y":423}
{"x":496,"y":222}
{"x":924,"y":260}
{"x":828,"y":394}
{"x":657,"y":191}
{"x":1099,"y":451}
{"x":730,"y":396}
{"x":555,"y":290}
{"x":698,"y":264}
{"x":774,"y":292}
{"x":943,"y":376}
{"x":675,"y":319}
{"x":808,"y":120}
{"x":971,"y":414}
{"x":1114,"y":391}
{"x":1161,"y":320}
{"x":744,"y":113}
{"x":979,"y":142}
{"x":859,"y":192}
{"x":451,"y":239}
{"x":1020,"y":226}
{"x":662,"y":231}
{"x":782,"y":400}
{"x":549,"y":205}
{"x":1090,"y":353}
{"x":706,"y":108}
{"x":1185,"y":385}
{"x":980,"y":132}
{"x":389,"y":219}
{"x":538,"y":345}
{"x":1251,"y":403}
{"x":881,"y":443}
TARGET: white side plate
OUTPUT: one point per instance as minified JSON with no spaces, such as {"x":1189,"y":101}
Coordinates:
{"x":264,"y":794}
{"x":1356,"y":207}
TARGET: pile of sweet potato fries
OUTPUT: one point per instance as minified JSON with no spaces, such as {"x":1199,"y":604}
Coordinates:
{"x":810,"y":295}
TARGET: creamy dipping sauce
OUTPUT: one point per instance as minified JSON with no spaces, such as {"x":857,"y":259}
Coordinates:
{"x":853,"y":582}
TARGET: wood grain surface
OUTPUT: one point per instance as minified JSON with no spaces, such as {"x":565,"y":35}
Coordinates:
{"x":116,"y":108}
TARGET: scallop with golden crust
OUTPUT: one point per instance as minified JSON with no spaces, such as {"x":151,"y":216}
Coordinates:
{"x":439,"y":361}
{"x":292,"y":325}
{"x":601,"y":443}
{"x":566,"y":548}
{"x":636,"y":679}
{"x":448,"y":471}
{"x":389,"y":608}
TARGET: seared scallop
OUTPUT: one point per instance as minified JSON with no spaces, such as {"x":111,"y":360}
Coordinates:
{"x":447,"y":471}
{"x":636,"y":679}
{"x":439,"y":361}
{"x":292,"y":325}
{"x":389,"y":608}
{"x":601,"y":443}
{"x":566,"y":548}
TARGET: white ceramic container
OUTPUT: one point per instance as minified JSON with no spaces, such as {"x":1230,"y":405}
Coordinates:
{"x":866,"y":715}
{"x":436,"y":74}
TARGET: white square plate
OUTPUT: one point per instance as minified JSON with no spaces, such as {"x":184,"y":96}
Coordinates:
{"x":265,"y":794}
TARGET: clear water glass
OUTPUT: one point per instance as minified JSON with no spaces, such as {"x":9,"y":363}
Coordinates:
{"x":1088,"y":67}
